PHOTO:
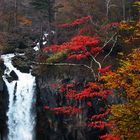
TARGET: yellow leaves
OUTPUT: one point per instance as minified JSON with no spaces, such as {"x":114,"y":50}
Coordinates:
{"x":138,"y":24}
{"x":129,"y":73}
{"x":126,"y":26}
{"x":126,"y":79}
{"x":130,"y":32}
{"x":127,"y":120}
{"x":115,"y":110}
{"x":94,"y":85}
{"x":137,"y":33}
{"x":137,"y":3}
{"x":57,"y":57}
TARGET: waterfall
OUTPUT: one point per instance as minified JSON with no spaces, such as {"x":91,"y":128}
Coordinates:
{"x":21,"y":114}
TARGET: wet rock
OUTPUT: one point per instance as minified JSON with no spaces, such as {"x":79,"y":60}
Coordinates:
{"x":21,"y":63}
{"x":2,"y":66}
{"x":3,"y":109}
{"x":13,"y":75}
{"x":8,"y":49}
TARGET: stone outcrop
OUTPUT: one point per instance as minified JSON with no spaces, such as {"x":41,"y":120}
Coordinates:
{"x":3,"y":106}
{"x":61,"y":127}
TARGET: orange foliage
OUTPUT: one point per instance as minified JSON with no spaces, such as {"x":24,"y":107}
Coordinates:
{"x":126,"y":80}
{"x":24,"y":20}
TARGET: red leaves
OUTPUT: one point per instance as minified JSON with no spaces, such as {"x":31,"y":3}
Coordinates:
{"x":67,"y":87}
{"x":81,"y":20}
{"x":81,"y":47}
{"x":77,"y":43}
{"x":76,"y":22}
{"x":93,"y":85}
{"x":87,"y":29}
{"x":100,"y":116}
{"x":96,"y":50}
{"x":46,"y":107}
{"x":100,"y":124}
{"x":87,"y":93}
{"x":109,"y":137}
{"x":89,"y":104}
{"x":64,"y":110}
{"x":103,"y":70}
{"x":110,"y":25}
{"x":76,"y":56}
{"x":84,"y":94}
{"x":85,"y":40}
{"x":63,"y":89}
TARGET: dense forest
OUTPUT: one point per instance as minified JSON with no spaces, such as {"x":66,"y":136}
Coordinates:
{"x":85,"y":58}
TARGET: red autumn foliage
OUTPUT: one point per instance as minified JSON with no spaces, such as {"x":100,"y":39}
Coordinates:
{"x":104,"y":70}
{"x":89,"y":104}
{"x":76,"y":22}
{"x":71,"y":85}
{"x":54,"y":85}
{"x":77,"y":43}
{"x":96,"y":50}
{"x":63,"y":89}
{"x":93,"y":85}
{"x":100,"y":116}
{"x":100,"y":124}
{"x":85,"y":40}
{"x":87,"y":93}
{"x":110,"y":25}
{"x":76,"y":56}
{"x":109,"y":137}
{"x":81,"y":47}
{"x":64,"y":110}
{"x":101,"y":109}
{"x":87,"y":29}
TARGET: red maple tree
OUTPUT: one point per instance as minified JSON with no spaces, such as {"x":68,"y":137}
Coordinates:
{"x":85,"y":47}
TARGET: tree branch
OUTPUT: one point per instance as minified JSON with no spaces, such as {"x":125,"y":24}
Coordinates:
{"x":67,"y":64}
{"x":107,"y":42}
{"x":110,"y":49}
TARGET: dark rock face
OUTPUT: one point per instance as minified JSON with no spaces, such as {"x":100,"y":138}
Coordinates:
{"x":21,"y":63}
{"x":3,"y":103}
{"x":24,"y":62}
{"x":2,"y":66}
{"x":13,"y":75}
{"x":60,"y":127}
{"x":3,"y":109}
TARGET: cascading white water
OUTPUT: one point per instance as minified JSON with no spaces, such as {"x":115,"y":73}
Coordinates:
{"x":21,"y":114}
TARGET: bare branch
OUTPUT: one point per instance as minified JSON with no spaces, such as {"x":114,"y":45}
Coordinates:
{"x":110,"y":49}
{"x":107,"y":7}
{"x":67,"y":64}
{"x":106,"y":43}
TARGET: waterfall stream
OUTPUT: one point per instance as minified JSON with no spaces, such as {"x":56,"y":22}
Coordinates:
{"x":21,"y":112}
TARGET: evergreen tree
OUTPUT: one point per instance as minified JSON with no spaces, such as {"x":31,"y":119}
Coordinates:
{"x":46,"y":8}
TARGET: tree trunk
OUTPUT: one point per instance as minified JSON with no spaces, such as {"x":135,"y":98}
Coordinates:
{"x":123,"y":7}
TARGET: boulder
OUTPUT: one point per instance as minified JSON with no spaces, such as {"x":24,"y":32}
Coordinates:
{"x":2,"y":66}
{"x":21,"y":63}
{"x":13,"y":75}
